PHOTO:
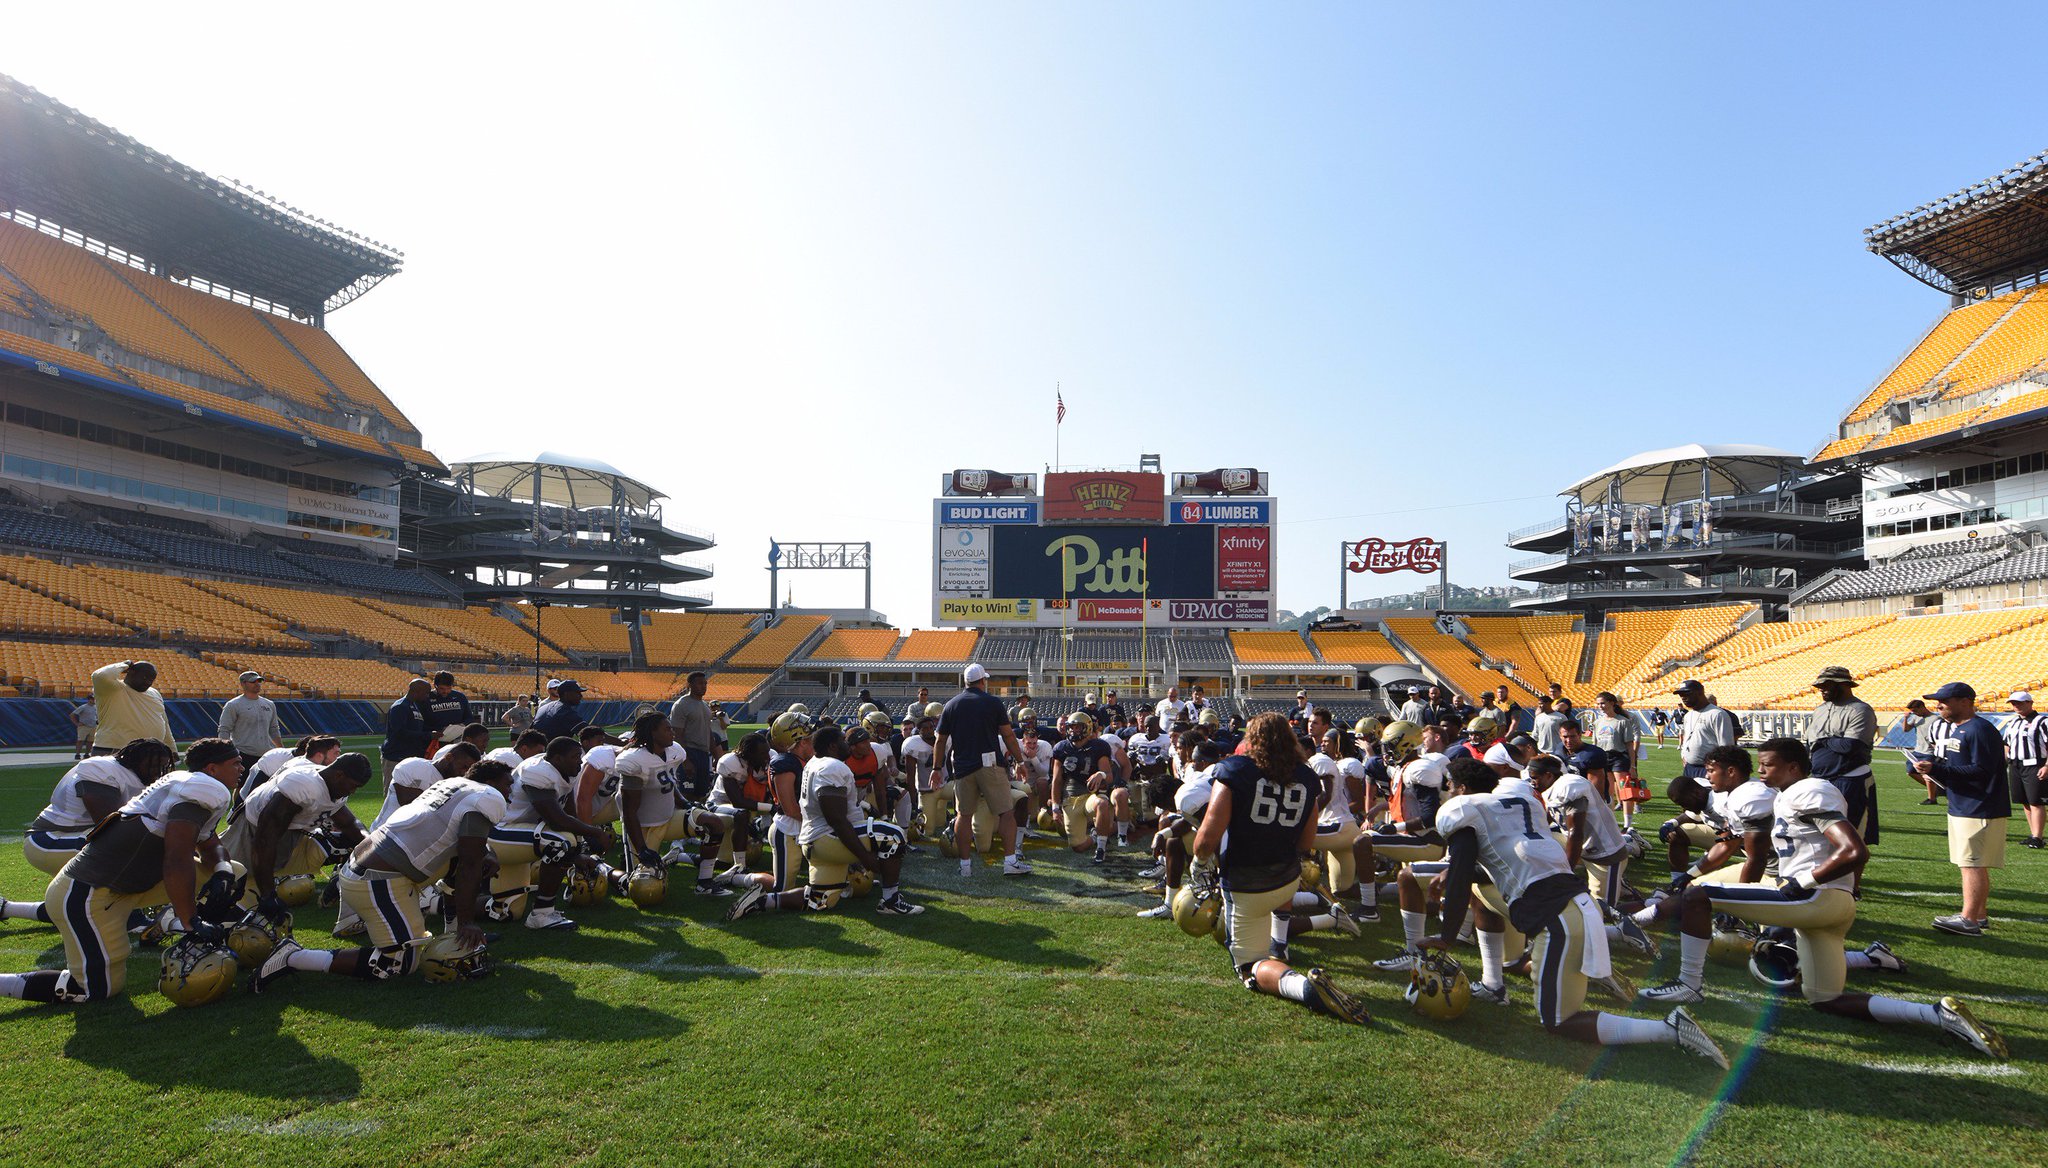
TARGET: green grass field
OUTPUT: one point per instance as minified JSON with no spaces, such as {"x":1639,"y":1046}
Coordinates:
{"x":1021,"y":1022}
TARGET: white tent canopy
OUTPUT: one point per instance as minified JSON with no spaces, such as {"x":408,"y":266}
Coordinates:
{"x":565,"y":480}
{"x":1660,"y":478}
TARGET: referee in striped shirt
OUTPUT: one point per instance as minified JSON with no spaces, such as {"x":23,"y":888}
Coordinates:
{"x":2026,"y":754}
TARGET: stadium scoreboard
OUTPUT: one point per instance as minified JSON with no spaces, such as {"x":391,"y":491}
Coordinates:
{"x":1103,"y":548}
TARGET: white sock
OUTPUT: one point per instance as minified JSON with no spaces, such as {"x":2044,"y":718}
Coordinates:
{"x":1017,"y":856}
{"x":1322,"y":921}
{"x":1645,"y":916}
{"x":1614,"y":933}
{"x":1307,"y":900}
{"x":1411,"y":928}
{"x":1493,"y":948}
{"x":889,"y":893}
{"x":12,"y":985}
{"x":1676,"y":873}
{"x":1293,"y":986}
{"x":706,"y":866}
{"x":1692,"y":959}
{"x":1279,"y":932}
{"x":1170,"y":890}
{"x":1465,"y":930}
{"x":311,"y":960}
{"x":1897,"y":1010}
{"x":1621,"y":1030}
{"x":1858,"y":959}
{"x":967,"y":867}
{"x":22,"y":910}
{"x":1369,"y":893}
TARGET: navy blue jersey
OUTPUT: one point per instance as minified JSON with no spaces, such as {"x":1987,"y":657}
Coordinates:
{"x":1076,"y":763}
{"x":1262,"y":850}
{"x":973,"y":725}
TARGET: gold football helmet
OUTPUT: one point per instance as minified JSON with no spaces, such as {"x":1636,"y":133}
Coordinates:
{"x":933,"y":709}
{"x":867,"y":708}
{"x":1047,"y":821}
{"x":1401,"y":740}
{"x":255,"y":935}
{"x":647,"y":886}
{"x":445,"y":958}
{"x":1730,"y":946}
{"x":859,"y":881}
{"x":196,"y":972}
{"x":1483,"y":727}
{"x":799,"y":708}
{"x":1438,"y":988}
{"x":1368,"y":726}
{"x":582,"y":889}
{"x":297,"y":889}
{"x":1077,"y":718}
{"x":1311,"y":874}
{"x":1196,"y":911}
{"x":1209,"y":718}
{"x":878,"y":724}
{"x":784,"y":731}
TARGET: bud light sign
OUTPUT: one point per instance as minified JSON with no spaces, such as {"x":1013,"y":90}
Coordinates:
{"x":1381,"y":557}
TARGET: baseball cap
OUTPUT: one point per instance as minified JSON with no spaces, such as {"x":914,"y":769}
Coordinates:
{"x":974,"y":673}
{"x":1587,"y":761}
{"x":569,"y":683}
{"x":1834,"y":673}
{"x":554,"y":683}
{"x":1689,"y":685}
{"x":2020,"y":695}
{"x":1951,"y":691}
{"x":250,"y":675}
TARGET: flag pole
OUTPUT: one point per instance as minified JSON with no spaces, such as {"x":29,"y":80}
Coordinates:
{"x":1059,"y":415}
{"x":1066,"y":614}
{"x":1144,"y":613}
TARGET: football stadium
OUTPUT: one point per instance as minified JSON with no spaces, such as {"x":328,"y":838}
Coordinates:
{"x":483,"y":828}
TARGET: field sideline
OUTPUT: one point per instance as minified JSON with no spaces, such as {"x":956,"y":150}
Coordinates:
{"x":1027,"y":1022}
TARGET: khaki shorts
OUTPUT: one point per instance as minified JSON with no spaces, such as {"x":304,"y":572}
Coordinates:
{"x":1976,"y":843}
{"x":990,"y":784}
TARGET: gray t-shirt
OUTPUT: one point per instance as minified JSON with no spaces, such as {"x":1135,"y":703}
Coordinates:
{"x":1850,"y":719}
{"x":250,"y":723}
{"x":88,"y":715}
{"x":1705,"y":730}
{"x":1547,"y":731}
{"x":696,"y":729}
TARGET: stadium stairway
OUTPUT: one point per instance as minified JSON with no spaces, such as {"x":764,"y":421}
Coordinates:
{"x":1590,"y":651}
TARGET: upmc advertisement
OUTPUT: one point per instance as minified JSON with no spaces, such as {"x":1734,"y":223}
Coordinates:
{"x":1103,"y":549}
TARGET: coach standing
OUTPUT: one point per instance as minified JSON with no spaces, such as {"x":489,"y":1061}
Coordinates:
{"x":1706,"y":726}
{"x":405,"y":727}
{"x":130,"y":707}
{"x":698,"y":725}
{"x":973,"y":733}
{"x":562,"y":715}
{"x":1840,"y":736}
{"x":2026,"y":753}
{"x":446,"y":705}
{"x":250,"y":721}
{"x":1969,"y":760}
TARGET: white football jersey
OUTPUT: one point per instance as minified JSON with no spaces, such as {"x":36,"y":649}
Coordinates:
{"x":302,"y":785}
{"x":823,"y":774}
{"x":1193,"y":796}
{"x":272,"y":761}
{"x":535,"y":776}
{"x":1577,"y":793}
{"x":153,"y":804}
{"x":507,"y":755}
{"x":426,"y":829}
{"x":1805,"y":811}
{"x":1150,"y":751}
{"x":917,"y":758}
{"x":416,"y":773}
{"x":1341,"y":776}
{"x":1752,"y":806}
{"x":1515,"y":846}
{"x":1038,"y":761}
{"x":654,"y":776}
{"x":1517,"y":788}
{"x":885,"y":758}
{"x":67,"y":810}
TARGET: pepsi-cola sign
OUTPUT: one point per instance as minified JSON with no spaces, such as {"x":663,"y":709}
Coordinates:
{"x":1381,"y":557}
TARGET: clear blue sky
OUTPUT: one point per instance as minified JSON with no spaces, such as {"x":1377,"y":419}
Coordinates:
{"x":1424,"y":263}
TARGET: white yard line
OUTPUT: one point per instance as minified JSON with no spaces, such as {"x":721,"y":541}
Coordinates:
{"x":1972,"y":1070}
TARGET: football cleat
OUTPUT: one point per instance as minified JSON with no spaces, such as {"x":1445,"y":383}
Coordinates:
{"x":1403,"y":962}
{"x":1675,"y":992}
{"x":712,"y":888}
{"x":1156,"y":912}
{"x":1960,"y":925}
{"x":1154,"y":872}
{"x":1481,"y":992}
{"x":276,"y":967}
{"x":1343,"y":923}
{"x":677,"y":854}
{"x":746,"y":903}
{"x":1957,"y":1019}
{"x":1016,"y":868}
{"x":1693,"y":1038}
{"x":1365,"y":914}
{"x":1882,"y":957}
{"x":1638,"y":940}
{"x":1325,"y":998}
{"x":1616,"y":986}
{"x":734,"y":876}
{"x":353,"y":927}
{"x":897,"y":906}
{"x":549,"y":918}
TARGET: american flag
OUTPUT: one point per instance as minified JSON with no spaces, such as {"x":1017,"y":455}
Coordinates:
{"x":1061,"y":413}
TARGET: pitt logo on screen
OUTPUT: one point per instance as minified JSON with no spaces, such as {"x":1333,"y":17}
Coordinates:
{"x":1102,"y":494}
